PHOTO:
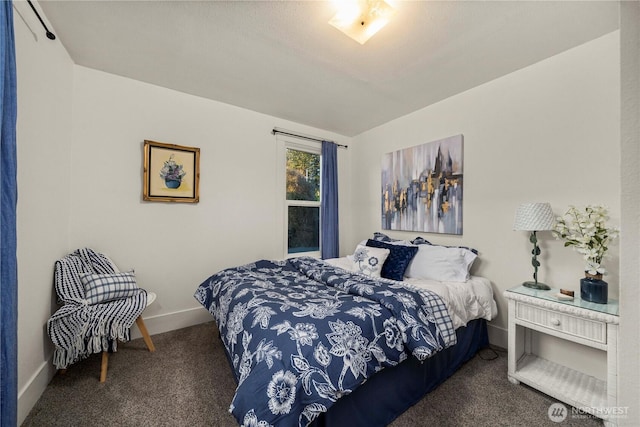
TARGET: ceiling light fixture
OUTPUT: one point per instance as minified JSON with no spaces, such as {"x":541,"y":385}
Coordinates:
{"x":361,"y":19}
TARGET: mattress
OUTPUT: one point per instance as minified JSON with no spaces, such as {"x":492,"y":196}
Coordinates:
{"x":465,"y":301}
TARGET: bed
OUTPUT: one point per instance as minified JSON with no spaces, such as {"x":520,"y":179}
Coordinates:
{"x":314,"y":342}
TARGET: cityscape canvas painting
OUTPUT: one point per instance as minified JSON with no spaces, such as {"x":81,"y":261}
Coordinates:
{"x":422,"y":187}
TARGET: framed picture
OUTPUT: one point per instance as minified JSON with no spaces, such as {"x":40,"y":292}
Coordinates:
{"x":171,"y":173}
{"x":422,"y":187}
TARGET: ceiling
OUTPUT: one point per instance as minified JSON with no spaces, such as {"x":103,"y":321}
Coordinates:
{"x":283,"y":59}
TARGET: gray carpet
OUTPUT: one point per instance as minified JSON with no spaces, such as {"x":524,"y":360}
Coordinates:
{"x":187,"y":382}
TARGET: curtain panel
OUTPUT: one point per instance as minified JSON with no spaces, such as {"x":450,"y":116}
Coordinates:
{"x":8,"y":200}
{"x":329,"y":204}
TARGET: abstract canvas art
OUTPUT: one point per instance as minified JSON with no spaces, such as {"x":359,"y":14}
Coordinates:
{"x":422,"y":187}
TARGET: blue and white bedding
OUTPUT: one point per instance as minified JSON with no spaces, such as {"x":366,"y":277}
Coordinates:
{"x":302,"y":333}
{"x":465,"y":301}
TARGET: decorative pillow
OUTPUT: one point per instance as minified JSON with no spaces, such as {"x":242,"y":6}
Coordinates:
{"x":100,"y":288}
{"x":445,"y":264}
{"x":379,"y":237}
{"x":383,"y":237}
{"x":421,"y":241}
{"x":368,"y":260}
{"x":399,"y":258}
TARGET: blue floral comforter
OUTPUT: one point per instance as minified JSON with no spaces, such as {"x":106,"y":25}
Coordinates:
{"x":301,"y":333}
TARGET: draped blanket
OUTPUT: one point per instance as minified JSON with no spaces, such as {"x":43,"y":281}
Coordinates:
{"x":78,"y":329}
{"x":301,"y":333}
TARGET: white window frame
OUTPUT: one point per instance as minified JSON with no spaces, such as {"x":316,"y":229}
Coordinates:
{"x":285,"y":143}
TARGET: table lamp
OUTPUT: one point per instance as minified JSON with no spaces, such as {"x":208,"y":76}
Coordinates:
{"x":534,"y":217}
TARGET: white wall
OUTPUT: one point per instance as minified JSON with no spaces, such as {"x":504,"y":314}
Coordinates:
{"x":80,"y":136}
{"x":173,"y":247}
{"x":44,"y":72}
{"x":548,"y":133}
{"x":629,"y":341}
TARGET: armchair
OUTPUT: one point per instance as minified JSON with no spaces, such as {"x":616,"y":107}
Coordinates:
{"x":100,"y":304}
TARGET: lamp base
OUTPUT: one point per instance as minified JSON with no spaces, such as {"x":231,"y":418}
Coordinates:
{"x":536,"y":285}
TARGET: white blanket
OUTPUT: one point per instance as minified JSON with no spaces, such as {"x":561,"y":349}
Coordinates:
{"x":465,"y":301}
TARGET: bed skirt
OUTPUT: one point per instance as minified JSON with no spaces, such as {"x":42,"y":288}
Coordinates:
{"x":392,"y":391}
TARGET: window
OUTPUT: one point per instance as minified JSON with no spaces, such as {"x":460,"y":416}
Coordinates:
{"x":302,"y":199}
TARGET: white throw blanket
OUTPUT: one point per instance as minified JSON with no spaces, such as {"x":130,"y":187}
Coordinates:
{"x":78,"y":329}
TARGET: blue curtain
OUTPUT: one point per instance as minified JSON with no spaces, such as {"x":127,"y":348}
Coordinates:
{"x":8,"y":200}
{"x":329,"y":212}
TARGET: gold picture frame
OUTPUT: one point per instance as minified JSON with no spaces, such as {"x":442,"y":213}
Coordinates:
{"x":171,"y":173}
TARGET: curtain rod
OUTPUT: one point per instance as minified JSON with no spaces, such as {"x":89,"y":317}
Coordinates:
{"x":50,"y":35}
{"x":309,"y":138}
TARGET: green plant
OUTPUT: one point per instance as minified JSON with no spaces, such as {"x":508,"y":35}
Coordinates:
{"x":587,"y":232}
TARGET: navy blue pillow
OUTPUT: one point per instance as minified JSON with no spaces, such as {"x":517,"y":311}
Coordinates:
{"x":398,"y":260}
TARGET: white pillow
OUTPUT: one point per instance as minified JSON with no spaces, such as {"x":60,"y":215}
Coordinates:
{"x":441,"y":263}
{"x":368,"y":260}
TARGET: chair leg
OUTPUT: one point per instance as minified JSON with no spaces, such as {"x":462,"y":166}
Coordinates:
{"x":145,"y":334}
{"x":147,"y":341}
{"x":103,"y":367}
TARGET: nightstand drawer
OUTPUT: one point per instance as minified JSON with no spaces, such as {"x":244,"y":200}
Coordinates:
{"x":561,"y":322}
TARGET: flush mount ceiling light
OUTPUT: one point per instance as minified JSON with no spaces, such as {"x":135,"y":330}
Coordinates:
{"x":361,"y":19}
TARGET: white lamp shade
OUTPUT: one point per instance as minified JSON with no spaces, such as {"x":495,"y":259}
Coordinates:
{"x":534,"y":217}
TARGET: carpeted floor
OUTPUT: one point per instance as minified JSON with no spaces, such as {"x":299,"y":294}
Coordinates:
{"x":187,"y":382}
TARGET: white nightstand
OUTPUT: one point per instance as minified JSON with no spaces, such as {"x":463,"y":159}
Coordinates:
{"x":586,"y":323}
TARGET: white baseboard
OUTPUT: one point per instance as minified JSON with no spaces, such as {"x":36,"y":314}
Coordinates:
{"x":31,"y":392}
{"x":497,"y":336}
{"x":172,"y":321}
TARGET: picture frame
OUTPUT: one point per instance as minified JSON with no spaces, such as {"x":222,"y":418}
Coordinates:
{"x":422,"y":187}
{"x":171,"y":173}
